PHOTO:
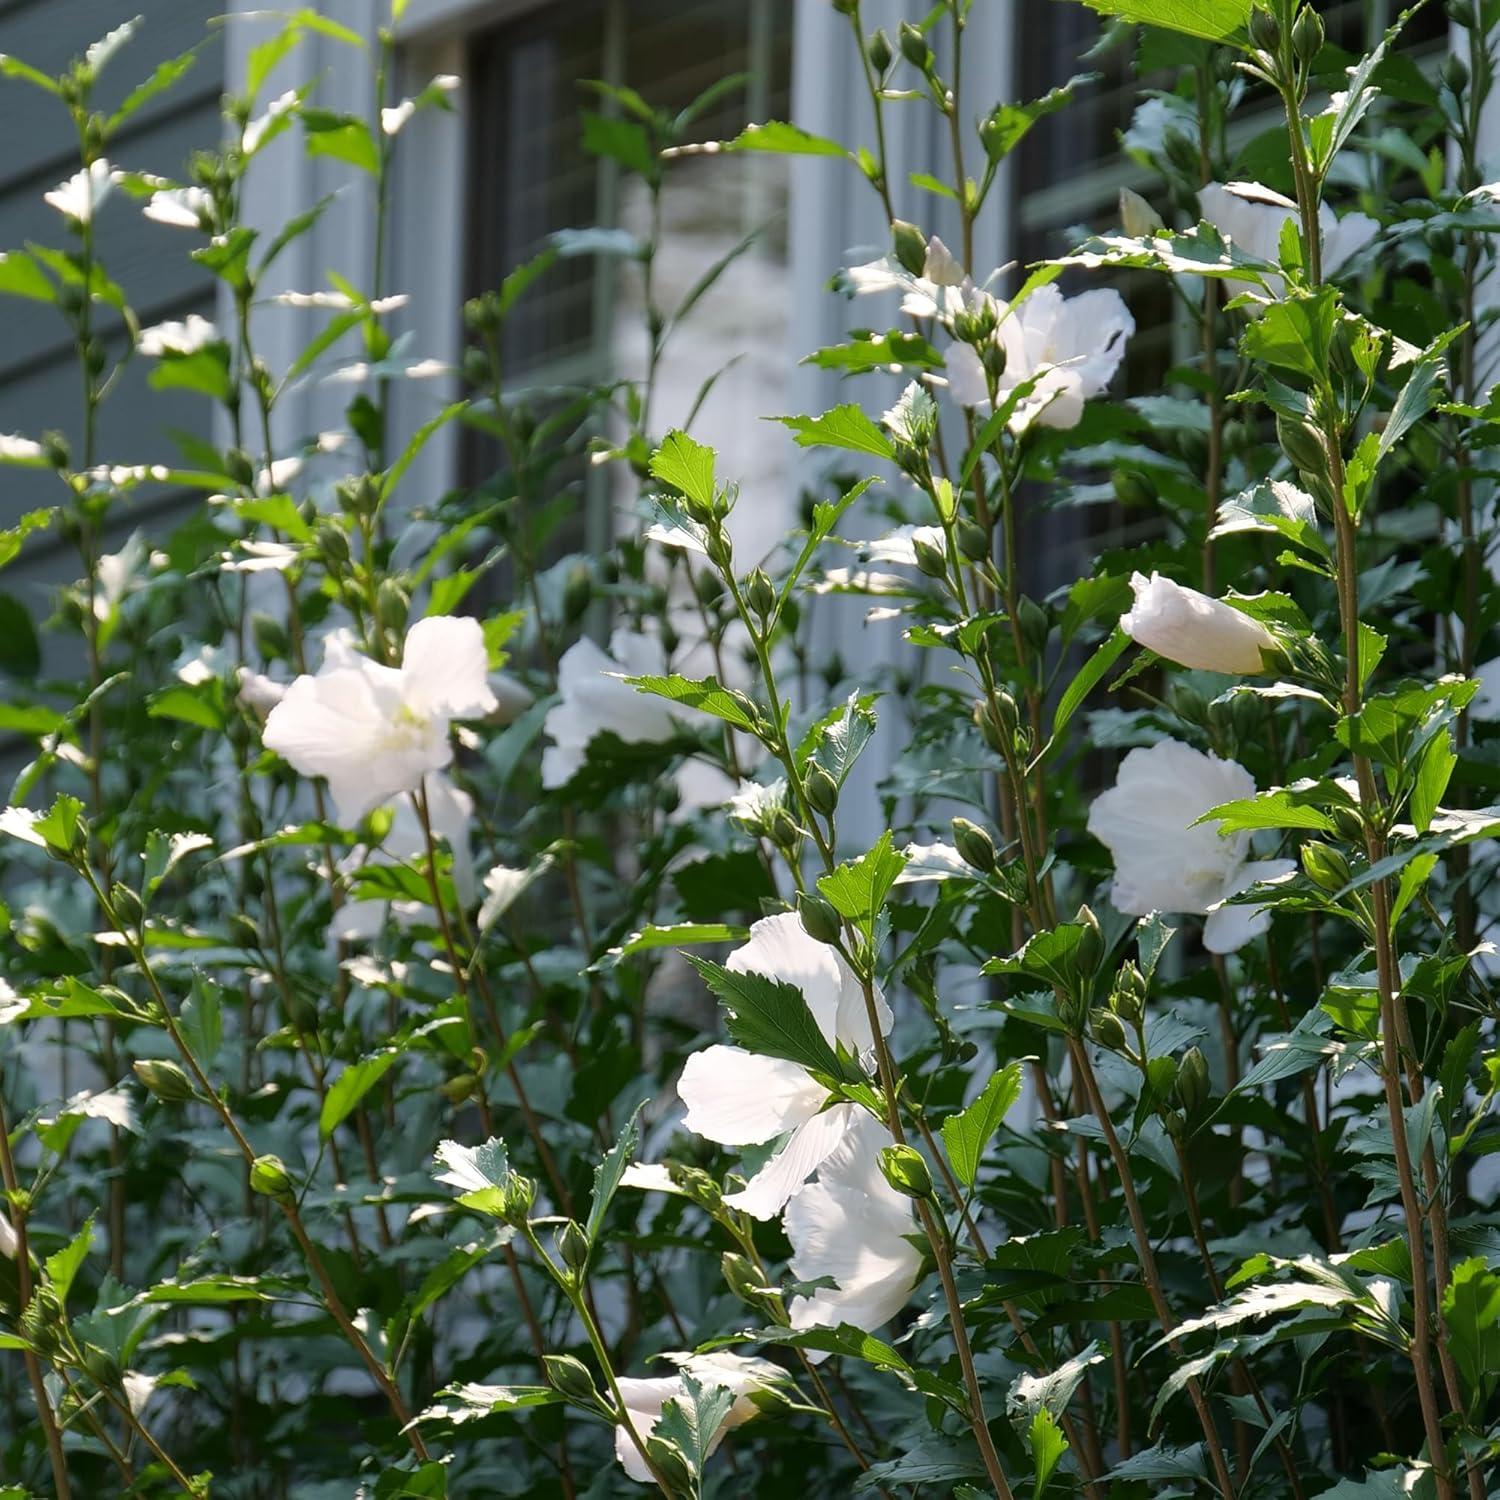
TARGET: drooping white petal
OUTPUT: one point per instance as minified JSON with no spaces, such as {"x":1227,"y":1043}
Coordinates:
{"x":1229,"y":928}
{"x":739,"y":1098}
{"x":808,"y":1146}
{"x":445,"y":668}
{"x":849,"y":1225}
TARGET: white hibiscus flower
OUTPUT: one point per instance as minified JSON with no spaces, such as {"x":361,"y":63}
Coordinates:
{"x":1162,"y":861}
{"x":1251,"y":217}
{"x":82,"y":194}
{"x":374,"y":731}
{"x":739,"y":1098}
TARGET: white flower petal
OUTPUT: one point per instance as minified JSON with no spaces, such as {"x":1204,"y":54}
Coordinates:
{"x":738,"y":1098}
{"x":808,"y":1146}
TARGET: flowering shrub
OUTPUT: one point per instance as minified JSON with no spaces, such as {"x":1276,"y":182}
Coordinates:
{"x":443,"y":1056}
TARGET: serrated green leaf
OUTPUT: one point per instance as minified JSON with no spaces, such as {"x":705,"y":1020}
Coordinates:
{"x":769,"y":1017}
{"x":842,"y":427}
{"x":346,"y":1091}
{"x":967,"y":1133}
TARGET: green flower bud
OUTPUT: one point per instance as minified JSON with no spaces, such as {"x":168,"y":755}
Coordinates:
{"x":572,"y":1378}
{"x":1090,"y":951}
{"x":1455,"y":73}
{"x":1307,"y":35}
{"x":976,"y":325}
{"x":103,"y":1367}
{"x":785,"y":833}
{"x":719,"y":548}
{"x":392,"y":606}
{"x":1128,"y":1000}
{"x":1133,"y":489}
{"x":669,"y":1462}
{"x":973,"y":540}
{"x":573,"y":1245}
{"x":520,"y":1194}
{"x":993,"y":357}
{"x":1192,"y":1086}
{"x":974,"y":845}
{"x":743,"y":1279}
{"x":478,"y":371}
{"x":333,"y":545}
{"x":1107,"y":1030}
{"x":458,"y":1089}
{"x":1265,"y":31}
{"x":577,"y":592}
{"x":905,"y":1170}
{"x":822,"y":790}
{"x":761,"y":594}
{"x":1035,"y":623}
{"x":238,"y":466}
{"x":1304,"y":445}
{"x":269,"y":1177}
{"x":127,"y":904}
{"x":909,"y":245}
{"x":931,"y":558}
{"x":990,"y":728}
{"x":271,"y":638}
{"x":164,"y":1079}
{"x":1461,"y":12}
{"x":1325,"y":866}
{"x":819,"y":920}
{"x":878,"y":50}
{"x":914,"y":48}
{"x":55,"y":445}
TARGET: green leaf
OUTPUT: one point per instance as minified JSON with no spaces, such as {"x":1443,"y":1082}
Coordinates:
{"x":1433,"y":773}
{"x":163,"y":76}
{"x":687,"y":466}
{"x":1088,"y":677}
{"x":781,"y":139}
{"x":707,"y":695}
{"x":769,"y":1017}
{"x":842,"y":427}
{"x":20,"y":276}
{"x":464,"y":1402}
{"x":344,"y":1094}
{"x":857,"y":888}
{"x":1047,"y":1446}
{"x":518,"y":280}
{"x":63,"y":1267}
{"x":835,"y":740}
{"x":1210,"y":20}
{"x":20,"y":651}
{"x":343,"y":137}
{"x":1274,"y":506}
{"x":967,"y":1133}
{"x":1295,"y":334}
{"x":886,"y":352}
{"x":201,"y":705}
{"x":1008,"y":124}
{"x":692,"y":1420}
{"x":1471,"y":1311}
{"x":675,"y":935}
{"x":1281,"y":807}
{"x":608,"y":1173}
{"x":623,"y":141}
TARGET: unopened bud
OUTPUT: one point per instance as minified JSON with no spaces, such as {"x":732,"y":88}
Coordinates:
{"x":973,"y":540}
{"x":1325,"y":866}
{"x":571,"y":1377}
{"x":910,"y":246}
{"x":1303,"y":445}
{"x":822,"y":790}
{"x":905,"y":1170}
{"x":1192,"y":1086}
{"x":333,"y":545}
{"x":520,"y":1194}
{"x":819,"y":920}
{"x":1265,"y":31}
{"x":878,"y":50}
{"x":392,"y":606}
{"x":1455,"y":73}
{"x":743,"y":1279}
{"x":914,"y":47}
{"x":577,"y":592}
{"x":931,"y":558}
{"x":1090,"y":951}
{"x":785,"y":833}
{"x":1035,"y":623}
{"x":761,"y":594}
{"x":1107,"y":1029}
{"x":573,"y":1245}
{"x":1133,"y":489}
{"x":994,"y":358}
{"x":1128,"y":1000}
{"x":1307,"y":35}
{"x":975,"y":846}
{"x":269,"y":1177}
{"x":165,"y":1079}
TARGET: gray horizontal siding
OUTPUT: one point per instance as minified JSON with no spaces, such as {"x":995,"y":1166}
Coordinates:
{"x":40,"y":384}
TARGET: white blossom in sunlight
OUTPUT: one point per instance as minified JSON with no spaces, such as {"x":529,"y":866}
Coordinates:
{"x":1194,"y":630}
{"x":259,"y":693}
{"x":117,"y":573}
{"x":646,"y":1398}
{"x":372,"y":730}
{"x":739,"y":1098}
{"x":1251,"y":217}
{"x":594,"y":701}
{"x":176,"y":337}
{"x":850,"y":1225}
{"x":900,"y":545}
{"x":943,"y":288}
{"x":80,"y":197}
{"x":180,"y":208}
{"x":1070,"y":346}
{"x":261,"y":126}
{"x":1165,"y":863}
{"x":451,"y":811}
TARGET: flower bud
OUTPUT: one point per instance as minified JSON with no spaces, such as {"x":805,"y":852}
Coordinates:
{"x":573,"y":1245}
{"x":785,"y":833}
{"x":271,"y":638}
{"x":1455,"y":73}
{"x":975,"y":846}
{"x":878,"y":50}
{"x":1133,"y":489}
{"x":333,"y":545}
{"x":1137,"y":217}
{"x":577,"y":592}
{"x":1325,"y":866}
{"x":1089,"y":953}
{"x":1192,"y":1086}
{"x":914,"y":46}
{"x":520,"y":1194}
{"x":476,"y":366}
{"x":743,"y":1279}
{"x":819,"y":920}
{"x":1265,"y":31}
{"x":994,"y":358}
{"x":1035,"y":623}
{"x":760,"y":594}
{"x":1107,"y":1030}
{"x":459,"y":1089}
{"x":1194,"y":630}
{"x":55,"y":445}
{"x":931,"y":559}
{"x":1128,"y":1000}
{"x":1307,"y":35}
{"x":822,"y":790}
{"x":973,"y":540}
{"x":269,"y":1176}
{"x":904,"y":1169}
{"x":392,"y":606}
{"x":910,"y":246}
{"x":165,"y":1079}
{"x":571,"y":1377}
{"x":1461,"y":12}
{"x":127,"y":905}
{"x":1303,"y":445}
